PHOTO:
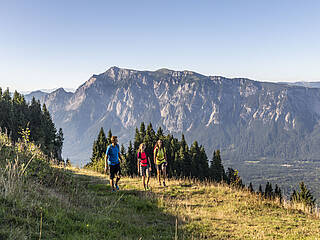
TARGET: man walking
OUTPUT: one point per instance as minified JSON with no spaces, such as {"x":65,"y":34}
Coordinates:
{"x":112,"y":160}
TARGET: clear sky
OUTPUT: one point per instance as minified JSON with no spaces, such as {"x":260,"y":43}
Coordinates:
{"x":49,"y":44}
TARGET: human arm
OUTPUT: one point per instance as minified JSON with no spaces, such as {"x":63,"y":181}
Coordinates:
{"x":106,"y":160}
{"x":149,"y":164}
{"x":138,"y":162}
{"x":105,"y":164}
{"x":155,"y":156}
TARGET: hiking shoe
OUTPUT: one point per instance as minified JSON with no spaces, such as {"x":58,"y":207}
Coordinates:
{"x":164,"y":184}
{"x":147,"y":188}
{"x":117,"y":187}
{"x":113,"y":190}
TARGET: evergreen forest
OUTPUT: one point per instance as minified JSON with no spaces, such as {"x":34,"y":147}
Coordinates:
{"x":17,"y":115}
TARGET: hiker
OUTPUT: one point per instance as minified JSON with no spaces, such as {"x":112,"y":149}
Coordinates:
{"x":144,"y":165}
{"x":113,"y":155}
{"x":160,"y":160}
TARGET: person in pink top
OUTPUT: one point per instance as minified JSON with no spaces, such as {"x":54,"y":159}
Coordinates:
{"x":144,"y":165}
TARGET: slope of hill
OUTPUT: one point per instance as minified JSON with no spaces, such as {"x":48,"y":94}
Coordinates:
{"x":183,"y":210}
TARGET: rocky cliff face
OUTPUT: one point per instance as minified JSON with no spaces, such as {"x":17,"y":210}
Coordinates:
{"x":245,"y":119}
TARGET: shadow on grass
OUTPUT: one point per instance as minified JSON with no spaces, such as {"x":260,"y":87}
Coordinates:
{"x":131,"y":213}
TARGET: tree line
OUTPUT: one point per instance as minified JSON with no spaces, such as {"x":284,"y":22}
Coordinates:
{"x":184,"y":161}
{"x":16,"y":114}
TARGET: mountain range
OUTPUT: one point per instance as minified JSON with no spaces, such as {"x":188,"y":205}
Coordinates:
{"x":254,"y":124}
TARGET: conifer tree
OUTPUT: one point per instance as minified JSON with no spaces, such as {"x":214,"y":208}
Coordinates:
{"x":109,"y":137}
{"x":142,"y":130}
{"x":58,"y":144}
{"x":304,"y":196}
{"x":250,"y":188}
{"x":98,"y":151}
{"x":268,"y":192}
{"x":150,"y":141}
{"x":260,"y":192}
{"x":217,"y":169}
{"x":159,"y":134}
{"x":203,"y":163}
{"x":131,"y":161}
{"x":124,"y":162}
{"x":195,"y":159}
{"x":49,"y":130}
{"x":137,"y":140}
{"x":234,"y":179}
{"x":277,"y":193}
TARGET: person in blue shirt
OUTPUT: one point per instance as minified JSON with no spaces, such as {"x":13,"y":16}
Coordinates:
{"x":112,"y":161}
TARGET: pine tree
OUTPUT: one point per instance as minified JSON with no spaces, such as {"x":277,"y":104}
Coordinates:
{"x":124,"y":162}
{"x":268,"y":192}
{"x":49,"y":131}
{"x":304,"y":196}
{"x":260,"y":192}
{"x":250,"y":188}
{"x":233,"y":178}
{"x":131,"y":161}
{"x":99,"y":149}
{"x":58,"y":144}
{"x":195,"y":158}
{"x":203,"y":163}
{"x":277,"y":193}
{"x":137,"y":140}
{"x":216,"y":167}
{"x":142,"y":130}
{"x":149,"y":140}
{"x":109,"y":137}
{"x":159,"y":134}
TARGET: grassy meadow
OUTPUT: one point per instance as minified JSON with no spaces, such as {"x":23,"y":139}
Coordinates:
{"x":183,"y":210}
{"x":38,"y":201}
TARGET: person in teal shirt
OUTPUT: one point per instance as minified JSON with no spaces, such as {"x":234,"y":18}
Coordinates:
{"x":112,"y":161}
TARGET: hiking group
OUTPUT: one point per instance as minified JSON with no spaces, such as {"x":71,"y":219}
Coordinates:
{"x":113,"y":157}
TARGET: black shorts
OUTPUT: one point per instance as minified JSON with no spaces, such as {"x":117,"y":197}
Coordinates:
{"x":161,"y":166}
{"x":114,"y":170}
{"x":144,"y":170}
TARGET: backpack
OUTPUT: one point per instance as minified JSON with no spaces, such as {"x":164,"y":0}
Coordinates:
{"x":143,"y":162}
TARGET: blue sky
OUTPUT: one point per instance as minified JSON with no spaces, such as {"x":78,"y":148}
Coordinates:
{"x":48,"y":44}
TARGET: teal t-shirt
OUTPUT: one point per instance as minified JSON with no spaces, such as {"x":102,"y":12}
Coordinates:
{"x":113,"y":154}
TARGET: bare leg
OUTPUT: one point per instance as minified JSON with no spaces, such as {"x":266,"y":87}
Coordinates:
{"x":117,"y":179}
{"x":159,"y":176}
{"x":144,"y":182}
{"x":148,"y":178}
{"x":112,"y":183}
{"x":164,"y":175}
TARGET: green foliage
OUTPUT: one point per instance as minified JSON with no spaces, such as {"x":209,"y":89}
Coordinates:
{"x":99,"y":149}
{"x":182,"y":160}
{"x":233,"y":178}
{"x":303,"y":196}
{"x":130,"y":160}
{"x":216,"y":167}
{"x":16,"y":114}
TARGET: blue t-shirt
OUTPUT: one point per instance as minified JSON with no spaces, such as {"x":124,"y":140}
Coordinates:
{"x":113,"y":154}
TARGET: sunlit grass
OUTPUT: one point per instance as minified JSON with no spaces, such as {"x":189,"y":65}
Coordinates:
{"x":216,"y":211}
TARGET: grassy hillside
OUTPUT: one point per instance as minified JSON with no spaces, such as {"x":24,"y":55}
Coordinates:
{"x":57,"y":203}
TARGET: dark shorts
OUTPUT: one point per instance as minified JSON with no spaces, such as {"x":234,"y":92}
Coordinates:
{"x":161,"y":166}
{"x":114,"y":170}
{"x":144,"y":171}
